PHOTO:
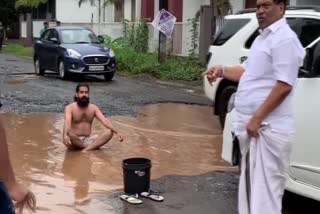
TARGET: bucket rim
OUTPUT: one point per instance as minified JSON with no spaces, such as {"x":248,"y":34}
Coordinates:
{"x":147,"y":161}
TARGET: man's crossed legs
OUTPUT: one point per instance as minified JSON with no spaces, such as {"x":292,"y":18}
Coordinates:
{"x":86,"y":143}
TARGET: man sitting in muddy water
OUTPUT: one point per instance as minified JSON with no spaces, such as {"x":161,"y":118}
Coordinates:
{"x":78,"y":119}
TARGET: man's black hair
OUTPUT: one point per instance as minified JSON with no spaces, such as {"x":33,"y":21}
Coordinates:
{"x":78,"y":89}
{"x":285,"y":2}
{"x":82,"y":85}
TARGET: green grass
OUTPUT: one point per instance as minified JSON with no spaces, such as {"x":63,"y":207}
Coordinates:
{"x":18,"y":50}
{"x":174,"y":68}
{"x":130,"y":61}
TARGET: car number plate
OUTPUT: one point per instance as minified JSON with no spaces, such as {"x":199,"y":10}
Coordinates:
{"x":96,"y":68}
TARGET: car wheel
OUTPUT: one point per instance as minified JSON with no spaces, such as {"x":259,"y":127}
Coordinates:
{"x":223,"y":103}
{"x":37,"y":68}
{"x":62,"y":71}
{"x":108,"y":76}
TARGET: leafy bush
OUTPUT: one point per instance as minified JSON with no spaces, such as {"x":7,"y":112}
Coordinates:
{"x":132,"y":56}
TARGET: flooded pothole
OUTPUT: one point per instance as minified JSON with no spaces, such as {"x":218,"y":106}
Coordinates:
{"x":178,"y":139}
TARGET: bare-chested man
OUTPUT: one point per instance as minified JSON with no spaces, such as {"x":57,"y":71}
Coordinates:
{"x":78,"y":119}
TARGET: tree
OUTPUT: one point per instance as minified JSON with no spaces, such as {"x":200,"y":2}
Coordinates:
{"x":29,"y":3}
{"x":8,"y":13}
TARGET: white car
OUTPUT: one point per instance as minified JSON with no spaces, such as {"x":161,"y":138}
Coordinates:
{"x":303,"y":176}
{"x":232,"y":43}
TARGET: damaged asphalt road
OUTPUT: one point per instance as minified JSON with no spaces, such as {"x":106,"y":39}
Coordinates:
{"x":215,"y":192}
{"x":22,"y":91}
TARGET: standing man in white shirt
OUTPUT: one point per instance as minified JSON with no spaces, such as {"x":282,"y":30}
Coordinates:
{"x":263,"y":121}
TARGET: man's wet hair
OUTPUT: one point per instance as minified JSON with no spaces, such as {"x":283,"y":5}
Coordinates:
{"x":82,"y":85}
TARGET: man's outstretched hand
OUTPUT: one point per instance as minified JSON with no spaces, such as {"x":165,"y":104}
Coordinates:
{"x":23,"y":197}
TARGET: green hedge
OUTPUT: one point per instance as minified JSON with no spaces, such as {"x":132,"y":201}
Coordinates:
{"x":134,"y":62}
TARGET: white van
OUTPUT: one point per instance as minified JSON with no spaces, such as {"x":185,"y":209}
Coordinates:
{"x":303,"y":176}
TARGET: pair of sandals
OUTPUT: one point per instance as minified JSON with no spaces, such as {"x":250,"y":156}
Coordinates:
{"x":134,"y":199}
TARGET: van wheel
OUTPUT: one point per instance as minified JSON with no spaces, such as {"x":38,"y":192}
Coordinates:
{"x":223,"y":101}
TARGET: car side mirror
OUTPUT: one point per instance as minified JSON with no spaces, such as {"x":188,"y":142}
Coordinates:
{"x":101,"y":39}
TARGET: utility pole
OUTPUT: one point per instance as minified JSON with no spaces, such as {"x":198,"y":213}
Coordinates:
{"x":163,"y":4}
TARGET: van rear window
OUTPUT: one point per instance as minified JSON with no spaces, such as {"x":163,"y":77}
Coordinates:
{"x":228,"y":29}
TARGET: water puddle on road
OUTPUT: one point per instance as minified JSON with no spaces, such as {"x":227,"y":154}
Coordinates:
{"x":179,"y":139}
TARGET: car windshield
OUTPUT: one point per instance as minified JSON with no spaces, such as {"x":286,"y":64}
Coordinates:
{"x":78,"y":36}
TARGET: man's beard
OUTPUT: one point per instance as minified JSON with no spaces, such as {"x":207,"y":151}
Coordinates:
{"x":83,"y":102}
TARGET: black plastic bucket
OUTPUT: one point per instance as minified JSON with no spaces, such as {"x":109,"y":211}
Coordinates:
{"x":136,"y":175}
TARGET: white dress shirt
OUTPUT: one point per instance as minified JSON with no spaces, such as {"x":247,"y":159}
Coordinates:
{"x":275,"y":55}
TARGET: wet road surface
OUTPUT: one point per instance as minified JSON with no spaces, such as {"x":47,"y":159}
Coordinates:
{"x":183,"y":142}
{"x":75,"y":182}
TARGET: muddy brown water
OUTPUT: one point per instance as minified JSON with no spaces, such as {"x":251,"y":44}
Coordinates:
{"x":178,"y":139}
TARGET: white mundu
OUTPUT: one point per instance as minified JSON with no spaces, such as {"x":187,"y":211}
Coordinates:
{"x":275,"y":55}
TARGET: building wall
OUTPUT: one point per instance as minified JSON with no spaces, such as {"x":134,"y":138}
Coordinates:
{"x":138,"y":9}
{"x":127,"y":9}
{"x":69,"y":11}
{"x":156,"y":7}
{"x":191,"y":7}
{"x":109,"y":13}
{"x":293,"y":2}
{"x":237,"y":5}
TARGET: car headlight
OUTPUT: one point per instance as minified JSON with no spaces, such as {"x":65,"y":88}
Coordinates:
{"x":111,"y":53}
{"x":73,"y":53}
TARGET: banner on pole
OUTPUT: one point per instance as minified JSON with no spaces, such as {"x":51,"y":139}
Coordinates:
{"x":164,"y":22}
